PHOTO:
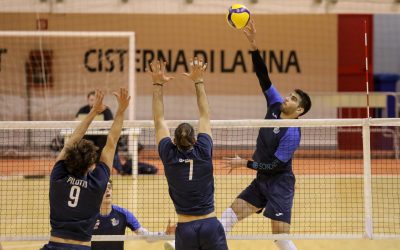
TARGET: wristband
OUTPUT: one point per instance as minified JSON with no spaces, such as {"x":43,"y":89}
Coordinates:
{"x":157,"y":84}
{"x":199,"y":82}
{"x":250,"y":164}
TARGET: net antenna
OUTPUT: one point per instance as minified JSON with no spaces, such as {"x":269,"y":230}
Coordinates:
{"x":366,"y":65}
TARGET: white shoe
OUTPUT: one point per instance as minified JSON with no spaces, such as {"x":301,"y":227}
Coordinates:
{"x":169,"y":245}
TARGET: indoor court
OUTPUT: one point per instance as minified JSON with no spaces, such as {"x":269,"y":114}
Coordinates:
{"x":338,"y":211}
{"x":344,"y":152}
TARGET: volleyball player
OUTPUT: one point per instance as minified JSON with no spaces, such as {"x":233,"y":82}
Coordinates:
{"x":99,"y":140}
{"x":113,"y":220}
{"x":79,"y":179}
{"x":273,"y":188}
{"x":188,"y":166}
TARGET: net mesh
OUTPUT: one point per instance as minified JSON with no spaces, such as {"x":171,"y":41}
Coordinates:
{"x":313,"y":45}
{"x":329,"y":192}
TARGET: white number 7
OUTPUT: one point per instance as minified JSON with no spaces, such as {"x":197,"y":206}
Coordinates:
{"x":190,"y":161}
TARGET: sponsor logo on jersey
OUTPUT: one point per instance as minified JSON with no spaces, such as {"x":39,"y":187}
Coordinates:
{"x":114,"y":222}
{"x":184,"y":160}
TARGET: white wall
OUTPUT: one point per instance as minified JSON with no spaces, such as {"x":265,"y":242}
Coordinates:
{"x":200,"y":6}
{"x":387,"y":44}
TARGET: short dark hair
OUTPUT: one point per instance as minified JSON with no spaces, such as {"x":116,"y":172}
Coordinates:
{"x":305,"y":102}
{"x":184,"y":136}
{"x":80,"y":156}
{"x":91,"y":93}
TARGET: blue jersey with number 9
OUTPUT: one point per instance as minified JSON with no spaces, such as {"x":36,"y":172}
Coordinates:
{"x":189,"y":175}
{"x":75,"y":201}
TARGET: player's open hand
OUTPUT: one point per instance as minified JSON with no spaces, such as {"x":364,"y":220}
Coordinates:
{"x":123,"y":99}
{"x":197,"y":69}
{"x":98,"y":105}
{"x":233,"y":162}
{"x":250,"y":33}
{"x":171,"y":228}
{"x":157,"y":71}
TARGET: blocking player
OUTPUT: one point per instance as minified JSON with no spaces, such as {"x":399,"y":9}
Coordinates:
{"x":79,"y":179}
{"x":188,"y":166}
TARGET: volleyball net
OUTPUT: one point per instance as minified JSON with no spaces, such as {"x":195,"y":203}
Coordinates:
{"x":347,"y":177}
{"x":347,"y":170}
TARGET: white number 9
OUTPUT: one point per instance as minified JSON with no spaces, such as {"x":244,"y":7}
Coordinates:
{"x":74,"y":196}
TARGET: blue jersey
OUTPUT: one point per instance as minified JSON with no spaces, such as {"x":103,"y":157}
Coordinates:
{"x":75,"y":201}
{"x":276,"y":143}
{"x":114,"y":223}
{"x":189,"y":175}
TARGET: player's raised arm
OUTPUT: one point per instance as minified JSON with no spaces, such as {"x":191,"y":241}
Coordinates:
{"x":250,"y":33}
{"x":107,"y":155}
{"x":272,"y":96}
{"x":157,"y":71}
{"x":197,"y":69}
{"x":81,"y":129}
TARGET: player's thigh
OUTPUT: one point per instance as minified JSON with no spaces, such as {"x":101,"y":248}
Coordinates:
{"x":280,"y":227}
{"x":280,"y":198}
{"x":254,"y":200}
{"x":243,"y":208}
{"x":212,"y":235}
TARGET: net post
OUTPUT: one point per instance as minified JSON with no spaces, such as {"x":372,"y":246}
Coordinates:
{"x":368,"y":224}
{"x":132,"y":139}
{"x":133,"y":142}
{"x":131,"y":83}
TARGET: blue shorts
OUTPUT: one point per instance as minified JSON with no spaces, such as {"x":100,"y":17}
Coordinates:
{"x":62,"y":246}
{"x":205,"y":234}
{"x":275,"y":193}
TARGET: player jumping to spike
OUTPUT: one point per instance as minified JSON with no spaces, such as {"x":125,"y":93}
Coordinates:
{"x":273,"y":188}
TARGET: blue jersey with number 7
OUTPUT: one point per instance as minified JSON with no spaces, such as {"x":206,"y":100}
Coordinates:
{"x":189,"y":175}
{"x":75,"y":201}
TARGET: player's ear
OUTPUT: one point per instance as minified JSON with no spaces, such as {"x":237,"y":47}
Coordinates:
{"x":299,"y":110}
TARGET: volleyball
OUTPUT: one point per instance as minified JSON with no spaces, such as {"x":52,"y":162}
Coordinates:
{"x":238,"y":16}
